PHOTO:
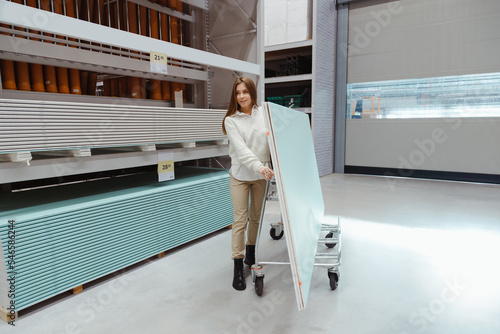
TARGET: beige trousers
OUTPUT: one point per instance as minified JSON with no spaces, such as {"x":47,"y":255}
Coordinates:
{"x":240,"y":193}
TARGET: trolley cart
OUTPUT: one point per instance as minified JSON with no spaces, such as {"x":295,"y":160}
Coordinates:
{"x":329,"y":260}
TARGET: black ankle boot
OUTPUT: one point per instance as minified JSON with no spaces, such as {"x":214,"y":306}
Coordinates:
{"x":250,"y":255}
{"x":239,"y":275}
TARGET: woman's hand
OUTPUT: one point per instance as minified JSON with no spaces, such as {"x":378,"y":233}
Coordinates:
{"x":266,"y":172}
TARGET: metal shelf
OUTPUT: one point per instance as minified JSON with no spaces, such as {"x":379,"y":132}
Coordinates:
{"x":287,"y":46}
{"x":63,"y":41}
{"x":63,"y":166}
{"x":169,"y":11}
{"x":57,"y":55}
{"x":289,"y":78}
{"x":294,"y":84}
{"x":16,"y":14}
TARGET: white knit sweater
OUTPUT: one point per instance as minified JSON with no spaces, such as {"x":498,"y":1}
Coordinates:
{"x":248,"y":147}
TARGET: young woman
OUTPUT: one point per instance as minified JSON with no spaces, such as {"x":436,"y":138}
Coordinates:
{"x":249,"y":152}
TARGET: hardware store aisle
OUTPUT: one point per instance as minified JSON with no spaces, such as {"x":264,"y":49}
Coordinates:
{"x":419,"y":256}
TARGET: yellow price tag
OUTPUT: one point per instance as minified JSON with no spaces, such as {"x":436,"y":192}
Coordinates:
{"x":165,"y":166}
{"x":158,"y":62}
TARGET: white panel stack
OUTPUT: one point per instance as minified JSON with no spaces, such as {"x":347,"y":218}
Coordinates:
{"x":287,"y":21}
{"x":49,"y":125}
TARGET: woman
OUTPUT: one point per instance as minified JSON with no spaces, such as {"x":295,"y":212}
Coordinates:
{"x":249,"y":152}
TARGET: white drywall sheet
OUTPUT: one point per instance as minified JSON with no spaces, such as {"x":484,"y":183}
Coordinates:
{"x":299,"y":190}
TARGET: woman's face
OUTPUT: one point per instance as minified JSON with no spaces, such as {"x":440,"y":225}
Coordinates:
{"x":243,"y":96}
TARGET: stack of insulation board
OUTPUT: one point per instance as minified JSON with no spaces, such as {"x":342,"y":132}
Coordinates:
{"x":52,"y":125}
{"x":70,"y":235}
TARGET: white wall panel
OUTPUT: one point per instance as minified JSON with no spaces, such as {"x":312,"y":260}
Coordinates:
{"x":468,"y":145}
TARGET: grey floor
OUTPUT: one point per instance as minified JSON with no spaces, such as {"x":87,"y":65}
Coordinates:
{"x":419,"y":256}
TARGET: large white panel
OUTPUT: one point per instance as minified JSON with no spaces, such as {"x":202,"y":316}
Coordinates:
{"x":287,"y":21}
{"x":299,"y":188}
{"x":46,"y":125}
{"x":299,"y":21}
{"x":468,"y":145}
{"x":275,"y":22}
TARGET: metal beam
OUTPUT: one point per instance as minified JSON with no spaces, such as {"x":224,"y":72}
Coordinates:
{"x":293,"y":45}
{"x":346,"y":2}
{"x":163,"y":9}
{"x":197,"y":3}
{"x":261,"y":58}
{"x":32,"y":18}
{"x":237,"y":34}
{"x":56,"y":55}
{"x":235,"y":74}
{"x":47,"y":168}
{"x":289,"y":78}
{"x":245,"y":15}
{"x":341,"y":88}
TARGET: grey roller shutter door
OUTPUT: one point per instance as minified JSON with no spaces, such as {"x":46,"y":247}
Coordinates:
{"x":407,"y":39}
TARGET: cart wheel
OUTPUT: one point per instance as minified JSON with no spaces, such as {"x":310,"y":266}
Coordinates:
{"x":330,"y":235}
{"x":334,"y":280}
{"x":259,"y":285}
{"x":272,"y":232}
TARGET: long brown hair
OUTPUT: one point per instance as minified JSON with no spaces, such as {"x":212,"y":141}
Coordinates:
{"x":233,"y":104}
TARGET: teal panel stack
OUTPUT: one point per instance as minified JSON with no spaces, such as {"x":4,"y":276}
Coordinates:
{"x":70,"y":235}
{"x":276,"y":99}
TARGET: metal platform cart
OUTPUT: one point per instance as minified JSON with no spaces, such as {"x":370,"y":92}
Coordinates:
{"x":327,"y":259}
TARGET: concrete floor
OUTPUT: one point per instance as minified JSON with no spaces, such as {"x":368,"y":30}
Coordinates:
{"x":419,"y":256}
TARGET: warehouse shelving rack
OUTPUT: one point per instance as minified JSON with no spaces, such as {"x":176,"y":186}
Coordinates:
{"x":302,"y":81}
{"x":93,"y":47}
{"x":192,"y":127}
{"x":316,"y":86}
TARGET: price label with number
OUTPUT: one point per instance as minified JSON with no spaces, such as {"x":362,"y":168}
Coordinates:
{"x":158,"y":62}
{"x":166,"y":166}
